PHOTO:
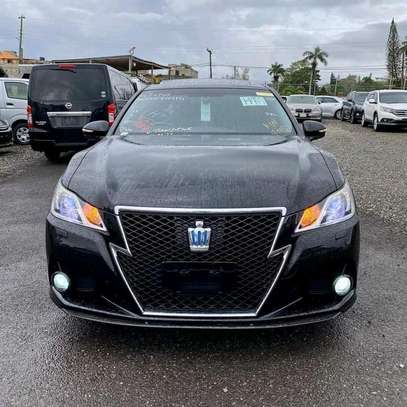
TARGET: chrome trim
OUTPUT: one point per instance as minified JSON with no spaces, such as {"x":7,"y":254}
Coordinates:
{"x":286,"y":250}
{"x":126,"y":251}
{"x":198,"y":211}
{"x":57,"y":114}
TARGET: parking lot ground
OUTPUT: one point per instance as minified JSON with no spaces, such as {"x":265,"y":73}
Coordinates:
{"x":360,"y":359}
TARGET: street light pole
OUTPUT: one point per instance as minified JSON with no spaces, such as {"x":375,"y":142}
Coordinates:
{"x":210,"y":61}
{"x":131,"y":53}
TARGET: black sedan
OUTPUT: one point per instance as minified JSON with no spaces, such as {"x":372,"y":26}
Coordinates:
{"x":352,"y":107}
{"x":205,"y":205}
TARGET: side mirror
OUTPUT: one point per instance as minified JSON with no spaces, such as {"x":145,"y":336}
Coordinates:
{"x":95,"y":129}
{"x":372,"y":101}
{"x":313,"y":130}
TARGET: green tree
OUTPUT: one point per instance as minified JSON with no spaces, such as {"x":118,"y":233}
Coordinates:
{"x":276,"y":71}
{"x":393,"y":55}
{"x":403,"y":52}
{"x":296,"y":78}
{"x":314,"y":57}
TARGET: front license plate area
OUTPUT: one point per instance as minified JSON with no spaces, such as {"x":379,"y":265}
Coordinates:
{"x":199,"y":278}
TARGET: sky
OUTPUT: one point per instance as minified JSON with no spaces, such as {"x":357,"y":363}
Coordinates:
{"x":252,"y":33}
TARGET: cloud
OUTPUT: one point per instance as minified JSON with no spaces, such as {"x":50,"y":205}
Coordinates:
{"x":241,"y":32}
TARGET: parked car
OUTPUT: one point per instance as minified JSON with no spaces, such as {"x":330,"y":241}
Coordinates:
{"x":13,"y":107}
{"x":385,"y":108}
{"x":304,"y":107}
{"x":63,"y":98}
{"x":331,"y":106}
{"x":352,"y":108}
{"x":5,"y":134}
{"x":205,"y":205}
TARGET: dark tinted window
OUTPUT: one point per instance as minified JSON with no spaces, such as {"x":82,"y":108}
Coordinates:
{"x":360,"y":97}
{"x":122,"y":87}
{"x":206,"y":117}
{"x":393,"y":97}
{"x":77,"y":84}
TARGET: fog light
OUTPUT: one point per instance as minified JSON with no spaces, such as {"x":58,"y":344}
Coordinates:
{"x":61,"y":281}
{"x":342,"y":285}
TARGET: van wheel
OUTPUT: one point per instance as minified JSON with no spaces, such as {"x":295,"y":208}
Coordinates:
{"x":20,"y":134}
{"x":52,"y":155}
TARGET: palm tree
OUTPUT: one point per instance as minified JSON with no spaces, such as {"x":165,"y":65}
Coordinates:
{"x":276,"y":71}
{"x":313,"y":57}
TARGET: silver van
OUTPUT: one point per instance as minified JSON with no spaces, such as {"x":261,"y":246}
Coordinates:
{"x":13,"y":107}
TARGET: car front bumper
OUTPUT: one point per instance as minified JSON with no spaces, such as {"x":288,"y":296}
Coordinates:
{"x":5,"y":137}
{"x":303,"y":293}
{"x":390,"y":119}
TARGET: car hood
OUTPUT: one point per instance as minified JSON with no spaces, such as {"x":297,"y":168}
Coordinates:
{"x":395,"y":106}
{"x":292,"y":174}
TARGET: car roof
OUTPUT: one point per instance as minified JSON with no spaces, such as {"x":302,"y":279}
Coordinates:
{"x":14,"y":79}
{"x":302,"y":94}
{"x":391,"y":90}
{"x":208,"y":83}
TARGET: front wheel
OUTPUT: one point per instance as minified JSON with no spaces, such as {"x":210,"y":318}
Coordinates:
{"x":353,"y":117}
{"x":342,"y":115}
{"x":52,"y":155}
{"x":20,"y":134}
{"x":338,"y":114}
{"x":376,"y":125}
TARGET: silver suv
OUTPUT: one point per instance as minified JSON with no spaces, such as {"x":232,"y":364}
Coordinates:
{"x":13,"y":107}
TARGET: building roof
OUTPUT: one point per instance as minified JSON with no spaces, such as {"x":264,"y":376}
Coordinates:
{"x":208,"y":83}
{"x":8,"y":55}
{"x":120,"y":62}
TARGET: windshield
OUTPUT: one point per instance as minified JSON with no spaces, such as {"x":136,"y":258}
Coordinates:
{"x":302,"y":99}
{"x":206,"y":117}
{"x":360,"y":97}
{"x":80,"y":84}
{"x":393,"y":97}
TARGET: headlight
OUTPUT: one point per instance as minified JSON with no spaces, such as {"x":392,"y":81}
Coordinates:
{"x":336,"y":208}
{"x":316,"y":110}
{"x":67,"y":206}
{"x":388,"y":110}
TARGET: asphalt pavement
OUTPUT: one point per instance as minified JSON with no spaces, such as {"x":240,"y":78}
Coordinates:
{"x":50,"y":359}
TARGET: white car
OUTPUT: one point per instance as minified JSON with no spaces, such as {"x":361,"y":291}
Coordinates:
{"x":331,"y":106}
{"x":385,"y":108}
{"x":13,"y":107}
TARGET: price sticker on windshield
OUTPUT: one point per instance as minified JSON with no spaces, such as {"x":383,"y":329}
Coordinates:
{"x":253,"y":101}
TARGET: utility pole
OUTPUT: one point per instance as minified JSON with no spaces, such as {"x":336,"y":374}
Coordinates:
{"x":210,"y":61}
{"x":20,"y":47}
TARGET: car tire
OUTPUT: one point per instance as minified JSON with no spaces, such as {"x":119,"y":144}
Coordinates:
{"x":363,"y":122}
{"x":376,"y":125}
{"x":20,"y":134}
{"x":338,"y":114}
{"x":342,"y":116}
{"x":352,"y":117}
{"x":52,"y":155}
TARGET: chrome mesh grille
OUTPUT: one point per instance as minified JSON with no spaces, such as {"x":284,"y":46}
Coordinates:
{"x":242,"y":240}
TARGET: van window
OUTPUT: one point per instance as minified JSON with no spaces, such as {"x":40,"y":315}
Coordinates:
{"x":122,"y":87}
{"x":78,"y":84}
{"x":16,"y":90}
